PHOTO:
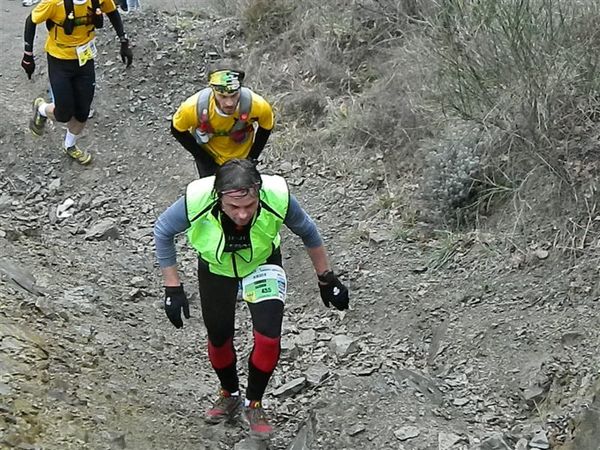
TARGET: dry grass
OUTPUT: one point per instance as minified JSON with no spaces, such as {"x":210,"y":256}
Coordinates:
{"x":361,"y":81}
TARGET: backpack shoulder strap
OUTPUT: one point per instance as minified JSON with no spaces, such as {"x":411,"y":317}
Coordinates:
{"x":69,"y":22}
{"x":202,"y":109}
{"x":98,"y":17}
{"x":245,"y":103}
{"x":244,"y":108}
{"x":203,"y":101}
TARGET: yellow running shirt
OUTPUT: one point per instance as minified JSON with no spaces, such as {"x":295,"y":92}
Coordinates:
{"x":221,"y":147}
{"x":59,"y":44}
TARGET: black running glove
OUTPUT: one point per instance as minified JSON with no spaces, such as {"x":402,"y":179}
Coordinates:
{"x":333,"y":291}
{"x":28,"y":64}
{"x":126,"y":53}
{"x":175,"y":301}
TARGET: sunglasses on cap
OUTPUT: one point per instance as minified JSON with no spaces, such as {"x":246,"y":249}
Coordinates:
{"x":225,"y":91}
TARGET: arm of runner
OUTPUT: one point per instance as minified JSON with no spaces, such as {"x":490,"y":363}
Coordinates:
{"x":186,"y":140}
{"x":28,"y":62}
{"x":262,"y":112}
{"x":301,"y":224}
{"x":117,"y":23}
{"x":29,"y":35}
{"x":184,"y":120}
{"x":169,"y":224}
{"x":260,"y":140}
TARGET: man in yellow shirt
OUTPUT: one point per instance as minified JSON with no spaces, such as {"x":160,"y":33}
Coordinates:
{"x":223,"y":121}
{"x":71,"y":51}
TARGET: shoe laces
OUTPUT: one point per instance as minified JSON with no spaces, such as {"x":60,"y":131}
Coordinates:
{"x":256,"y":412}
{"x":224,"y":399}
{"x":75,"y":151}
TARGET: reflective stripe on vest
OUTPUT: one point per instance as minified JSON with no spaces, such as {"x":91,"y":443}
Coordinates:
{"x":239,"y":132}
{"x":206,"y":233}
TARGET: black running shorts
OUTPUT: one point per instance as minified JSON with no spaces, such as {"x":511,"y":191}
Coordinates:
{"x":73,"y":88}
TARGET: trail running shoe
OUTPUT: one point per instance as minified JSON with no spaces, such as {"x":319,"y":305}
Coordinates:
{"x":81,"y":156}
{"x":256,"y":418}
{"x":225,"y":407}
{"x":37,"y":122}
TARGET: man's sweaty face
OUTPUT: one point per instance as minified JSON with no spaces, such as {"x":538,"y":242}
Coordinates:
{"x":240,"y":210}
{"x":227,"y":103}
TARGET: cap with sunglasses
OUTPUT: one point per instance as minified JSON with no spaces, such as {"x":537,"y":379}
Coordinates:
{"x":226,"y":81}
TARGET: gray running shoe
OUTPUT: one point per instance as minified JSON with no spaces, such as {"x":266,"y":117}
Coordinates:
{"x":225,"y":407}
{"x":256,"y":418}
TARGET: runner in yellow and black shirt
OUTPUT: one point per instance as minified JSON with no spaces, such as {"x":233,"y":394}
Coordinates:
{"x":71,"y":51}
{"x":222,"y":122}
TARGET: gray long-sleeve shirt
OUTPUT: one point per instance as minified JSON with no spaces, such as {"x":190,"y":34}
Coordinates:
{"x":174,"y":221}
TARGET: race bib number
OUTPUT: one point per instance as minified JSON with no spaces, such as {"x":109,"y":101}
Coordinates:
{"x":268,"y":282}
{"x":87,"y":52}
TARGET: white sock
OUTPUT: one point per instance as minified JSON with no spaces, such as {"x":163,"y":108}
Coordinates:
{"x":42,"y":109}
{"x":247,"y":402}
{"x":70,"y":139}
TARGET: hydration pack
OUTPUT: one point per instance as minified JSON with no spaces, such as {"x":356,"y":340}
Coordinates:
{"x":240,"y":130}
{"x":71,"y":21}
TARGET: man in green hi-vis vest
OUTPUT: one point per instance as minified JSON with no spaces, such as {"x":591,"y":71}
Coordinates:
{"x":233,"y":220}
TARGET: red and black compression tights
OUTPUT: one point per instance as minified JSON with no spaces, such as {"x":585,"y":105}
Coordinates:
{"x":218,"y":299}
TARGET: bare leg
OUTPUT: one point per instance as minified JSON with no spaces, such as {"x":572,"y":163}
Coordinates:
{"x":75,"y":126}
{"x":49,"y":110}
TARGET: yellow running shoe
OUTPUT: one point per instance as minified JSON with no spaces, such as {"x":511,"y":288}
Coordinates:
{"x":81,"y":156}
{"x":37,"y":122}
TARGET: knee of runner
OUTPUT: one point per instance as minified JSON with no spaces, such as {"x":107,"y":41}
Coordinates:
{"x":265,"y":353}
{"x":80,"y":117}
{"x":222,"y":356}
{"x":63,"y":116}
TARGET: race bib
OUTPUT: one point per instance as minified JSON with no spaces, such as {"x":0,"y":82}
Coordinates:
{"x":87,"y":52}
{"x":268,"y":282}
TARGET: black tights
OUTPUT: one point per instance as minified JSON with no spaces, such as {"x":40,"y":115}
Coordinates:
{"x":205,"y":164}
{"x":218,"y":300}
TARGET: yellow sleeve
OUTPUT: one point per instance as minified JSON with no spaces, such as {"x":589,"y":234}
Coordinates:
{"x":262,"y":110}
{"x":107,"y":6}
{"x":43,"y":11}
{"x":186,"y":117}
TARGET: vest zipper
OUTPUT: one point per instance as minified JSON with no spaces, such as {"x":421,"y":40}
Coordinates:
{"x":235,"y":270}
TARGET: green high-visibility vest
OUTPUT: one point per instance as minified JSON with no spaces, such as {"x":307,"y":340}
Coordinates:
{"x":206,"y":232}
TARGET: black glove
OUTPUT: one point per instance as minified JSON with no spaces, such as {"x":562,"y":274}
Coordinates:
{"x":333,"y":291}
{"x":28,"y":64}
{"x":126,"y":53}
{"x":175,"y":300}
